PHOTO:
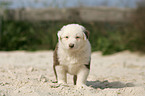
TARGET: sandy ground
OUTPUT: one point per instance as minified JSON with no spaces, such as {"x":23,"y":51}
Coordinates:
{"x":30,"y":74}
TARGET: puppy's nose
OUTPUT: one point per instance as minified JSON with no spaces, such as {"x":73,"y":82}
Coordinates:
{"x":71,"y":45}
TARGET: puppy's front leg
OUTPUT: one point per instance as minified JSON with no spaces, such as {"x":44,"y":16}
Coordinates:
{"x":82,"y":76}
{"x":61,"y":73}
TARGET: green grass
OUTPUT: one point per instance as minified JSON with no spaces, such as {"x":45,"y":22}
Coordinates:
{"x":108,"y":37}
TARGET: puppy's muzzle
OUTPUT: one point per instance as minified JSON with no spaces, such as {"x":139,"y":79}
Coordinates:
{"x":71,"y":45}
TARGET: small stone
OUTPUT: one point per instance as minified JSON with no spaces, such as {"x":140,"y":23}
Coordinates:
{"x":31,"y":69}
{"x":17,"y":91}
{"x":42,"y":78}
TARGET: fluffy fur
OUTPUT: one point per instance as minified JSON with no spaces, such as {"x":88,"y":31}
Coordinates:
{"x":72,"y":54}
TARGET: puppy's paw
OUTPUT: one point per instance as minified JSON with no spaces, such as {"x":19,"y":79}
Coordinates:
{"x":61,"y":82}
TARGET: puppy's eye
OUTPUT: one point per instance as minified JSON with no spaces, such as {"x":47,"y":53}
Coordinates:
{"x":66,"y":36}
{"x":77,"y":37}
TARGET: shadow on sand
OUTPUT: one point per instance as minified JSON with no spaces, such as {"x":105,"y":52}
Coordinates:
{"x":105,"y":84}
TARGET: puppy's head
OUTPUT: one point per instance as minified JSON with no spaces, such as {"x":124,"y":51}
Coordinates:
{"x":73,"y":36}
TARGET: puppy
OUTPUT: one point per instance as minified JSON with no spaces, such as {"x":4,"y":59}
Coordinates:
{"x":72,"y":54}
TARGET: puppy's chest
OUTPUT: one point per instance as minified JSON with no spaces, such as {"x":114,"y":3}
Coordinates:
{"x":70,"y":59}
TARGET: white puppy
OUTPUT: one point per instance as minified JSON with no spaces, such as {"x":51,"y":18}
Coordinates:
{"x":72,"y":54}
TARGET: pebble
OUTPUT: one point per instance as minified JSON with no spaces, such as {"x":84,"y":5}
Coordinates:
{"x":31,"y":69}
{"x":42,"y":78}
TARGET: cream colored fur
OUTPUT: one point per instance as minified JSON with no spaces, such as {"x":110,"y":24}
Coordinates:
{"x":72,"y":60}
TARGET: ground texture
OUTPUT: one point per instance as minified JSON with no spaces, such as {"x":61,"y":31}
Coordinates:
{"x":30,"y":74}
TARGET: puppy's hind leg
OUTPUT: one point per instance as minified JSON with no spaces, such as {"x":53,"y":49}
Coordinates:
{"x":61,"y":74}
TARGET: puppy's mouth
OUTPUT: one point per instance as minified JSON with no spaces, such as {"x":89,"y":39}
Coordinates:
{"x":71,"y":48}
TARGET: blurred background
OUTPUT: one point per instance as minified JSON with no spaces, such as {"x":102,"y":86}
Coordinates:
{"x":114,"y":25}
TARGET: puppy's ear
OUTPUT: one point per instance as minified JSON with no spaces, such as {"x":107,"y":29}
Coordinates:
{"x":59,"y":35}
{"x":86,"y":33}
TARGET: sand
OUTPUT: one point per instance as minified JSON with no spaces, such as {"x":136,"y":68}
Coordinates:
{"x":30,"y":74}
